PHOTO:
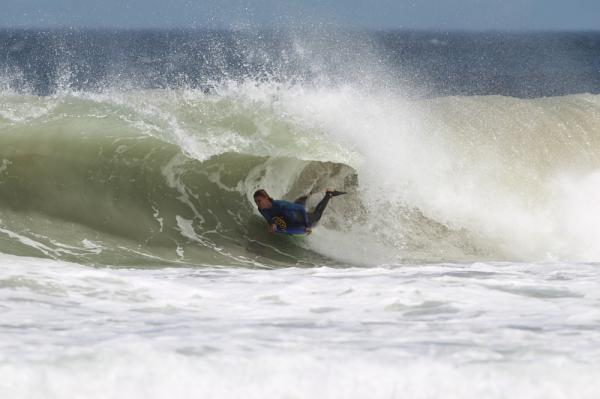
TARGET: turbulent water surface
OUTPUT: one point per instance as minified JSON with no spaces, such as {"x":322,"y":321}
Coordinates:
{"x":461,"y":263}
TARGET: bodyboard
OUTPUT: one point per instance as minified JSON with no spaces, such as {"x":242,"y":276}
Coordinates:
{"x":283,"y":228}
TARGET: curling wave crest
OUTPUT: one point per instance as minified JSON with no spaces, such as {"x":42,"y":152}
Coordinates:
{"x":166,"y":176}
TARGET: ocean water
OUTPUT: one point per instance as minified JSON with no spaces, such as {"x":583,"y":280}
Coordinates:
{"x":462,"y":263}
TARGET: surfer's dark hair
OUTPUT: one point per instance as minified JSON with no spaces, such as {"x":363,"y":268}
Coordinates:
{"x":262,"y":193}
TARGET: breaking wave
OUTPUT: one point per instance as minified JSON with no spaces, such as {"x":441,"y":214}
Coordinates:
{"x":166,"y":176}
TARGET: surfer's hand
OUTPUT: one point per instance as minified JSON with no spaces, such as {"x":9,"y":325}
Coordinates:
{"x":273,"y":228}
{"x":308,"y":230}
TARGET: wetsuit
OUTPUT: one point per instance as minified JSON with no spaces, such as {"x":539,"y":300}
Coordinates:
{"x":294,"y":214}
{"x":286,"y":214}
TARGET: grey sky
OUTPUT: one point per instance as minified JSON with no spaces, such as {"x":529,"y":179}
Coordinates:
{"x":382,"y":14}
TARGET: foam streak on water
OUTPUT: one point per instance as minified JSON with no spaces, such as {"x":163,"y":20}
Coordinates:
{"x":428,"y":331}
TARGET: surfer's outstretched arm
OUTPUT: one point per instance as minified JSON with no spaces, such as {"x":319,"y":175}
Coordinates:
{"x":269,"y":219}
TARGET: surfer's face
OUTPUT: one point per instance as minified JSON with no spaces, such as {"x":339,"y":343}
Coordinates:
{"x":262,"y":202}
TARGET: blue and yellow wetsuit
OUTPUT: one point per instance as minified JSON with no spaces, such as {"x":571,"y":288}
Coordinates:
{"x":287,"y":215}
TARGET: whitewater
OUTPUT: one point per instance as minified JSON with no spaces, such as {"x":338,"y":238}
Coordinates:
{"x":463,"y":262}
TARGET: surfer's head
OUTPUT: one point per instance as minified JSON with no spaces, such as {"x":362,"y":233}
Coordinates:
{"x":262,"y":199}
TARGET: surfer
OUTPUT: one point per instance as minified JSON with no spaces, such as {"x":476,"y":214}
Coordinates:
{"x":287,"y":214}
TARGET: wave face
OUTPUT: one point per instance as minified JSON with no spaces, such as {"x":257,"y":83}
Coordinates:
{"x":166,"y":176}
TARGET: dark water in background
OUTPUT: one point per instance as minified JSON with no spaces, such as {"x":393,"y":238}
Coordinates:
{"x":422,"y":63}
